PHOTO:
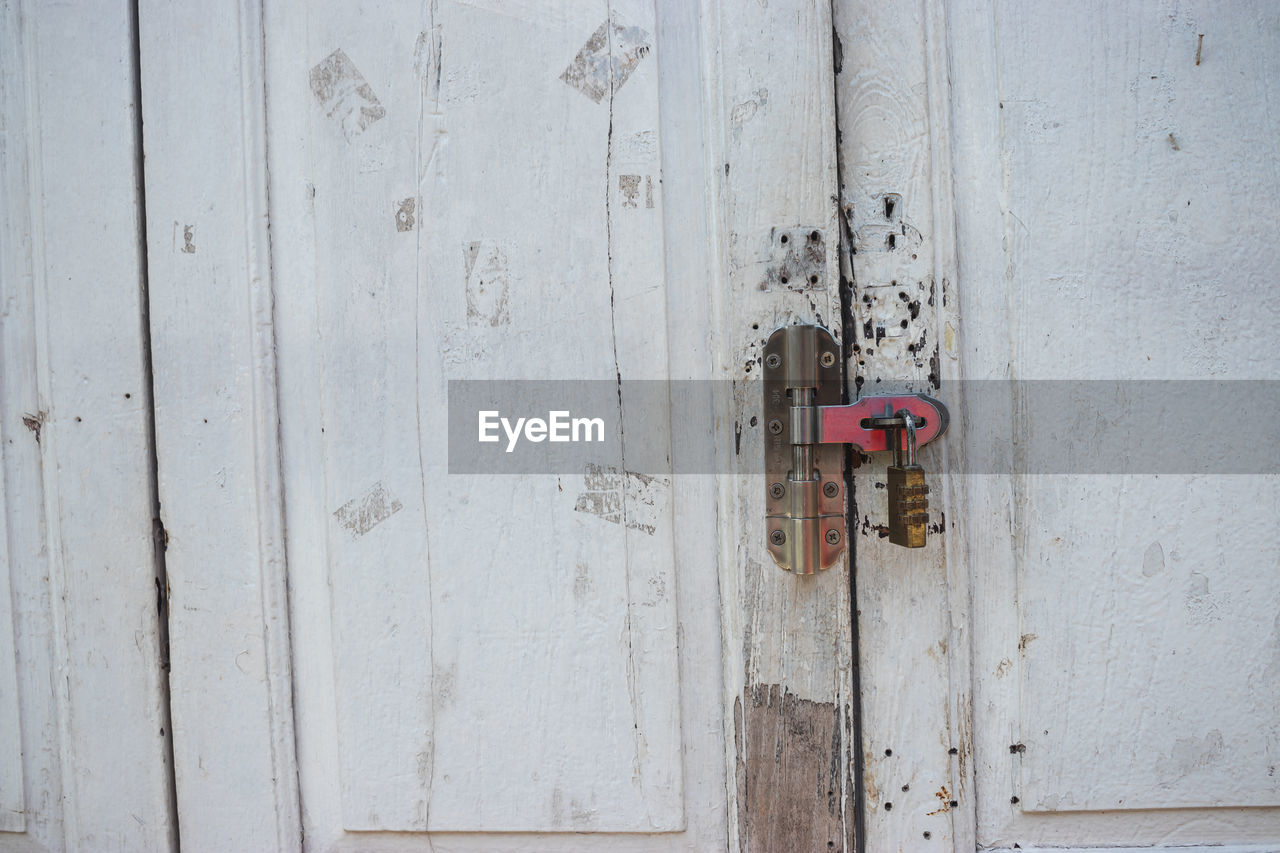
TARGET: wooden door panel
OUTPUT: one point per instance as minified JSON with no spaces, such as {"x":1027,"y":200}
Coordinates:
{"x":502,"y":661}
{"x":84,"y":728}
{"x":1124,"y":625}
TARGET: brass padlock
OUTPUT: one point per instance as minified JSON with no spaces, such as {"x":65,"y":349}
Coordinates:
{"x":908,"y":493}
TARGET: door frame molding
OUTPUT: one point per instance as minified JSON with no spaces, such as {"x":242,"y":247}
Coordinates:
{"x":217,"y":433}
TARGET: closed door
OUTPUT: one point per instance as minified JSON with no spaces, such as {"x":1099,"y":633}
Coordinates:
{"x":1084,"y":657}
{"x":383,"y":643}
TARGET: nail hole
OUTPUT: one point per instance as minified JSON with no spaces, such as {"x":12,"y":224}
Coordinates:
{"x":784,"y":238}
{"x":952,"y":751}
{"x":813,"y":279}
{"x":887,"y":752}
{"x":1014,"y":800}
{"x":888,"y":807}
{"x":815,"y":236}
{"x":928,"y":834}
{"x":127,"y":396}
{"x":888,"y":207}
{"x":906,"y":788}
{"x":785,"y":279}
{"x":892,"y":241}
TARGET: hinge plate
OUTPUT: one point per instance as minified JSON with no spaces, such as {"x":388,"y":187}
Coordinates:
{"x":797,"y":357}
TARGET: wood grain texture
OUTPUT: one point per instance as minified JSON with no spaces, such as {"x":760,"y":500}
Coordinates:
{"x":896,"y":202}
{"x":84,"y":708}
{"x":785,"y":636}
{"x":531,"y":685}
{"x":218,"y":458}
{"x":1120,"y":694}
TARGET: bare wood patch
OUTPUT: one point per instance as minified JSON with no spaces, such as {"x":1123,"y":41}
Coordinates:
{"x":788,"y":772}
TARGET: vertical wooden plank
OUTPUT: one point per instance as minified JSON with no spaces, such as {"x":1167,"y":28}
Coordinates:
{"x":788,"y":684}
{"x":892,"y":102}
{"x":216,"y":425}
{"x":79,"y":548}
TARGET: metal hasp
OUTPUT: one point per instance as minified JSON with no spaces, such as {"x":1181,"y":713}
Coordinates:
{"x":805,"y":424}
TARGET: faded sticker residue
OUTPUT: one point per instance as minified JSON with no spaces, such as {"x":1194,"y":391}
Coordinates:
{"x":188,"y":235}
{"x":629,"y":189}
{"x":404,"y":214}
{"x":607,"y":59}
{"x":345,"y":95}
{"x":624,"y":497}
{"x":488,"y":284}
{"x":362,"y":514}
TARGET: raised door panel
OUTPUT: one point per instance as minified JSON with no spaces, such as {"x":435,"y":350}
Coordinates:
{"x":1125,"y":623}
{"x":470,"y":191}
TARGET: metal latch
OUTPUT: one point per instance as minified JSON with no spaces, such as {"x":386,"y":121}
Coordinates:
{"x":805,"y":424}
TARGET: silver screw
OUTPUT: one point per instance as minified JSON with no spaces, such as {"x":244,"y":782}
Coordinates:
{"x":830,"y":489}
{"x":776,"y":490}
{"x":777,"y":537}
{"x":833,"y":537}
{"x":772,"y":360}
{"x":775,"y":426}
{"x":828,"y":359}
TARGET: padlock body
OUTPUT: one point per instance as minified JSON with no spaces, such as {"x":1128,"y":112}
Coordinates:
{"x":908,"y":506}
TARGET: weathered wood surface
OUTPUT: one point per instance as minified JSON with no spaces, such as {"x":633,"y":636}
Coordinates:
{"x":896,"y":203}
{"x":216,"y":424}
{"x":433,"y":215}
{"x":787,"y":656}
{"x":1124,"y":639}
{"x":83,"y":720}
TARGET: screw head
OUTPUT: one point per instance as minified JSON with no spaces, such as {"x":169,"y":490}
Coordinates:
{"x":828,"y":359}
{"x":777,"y":537}
{"x":833,"y":537}
{"x":775,"y":426}
{"x":776,"y":490}
{"x":772,"y":360}
{"x":831,"y":489}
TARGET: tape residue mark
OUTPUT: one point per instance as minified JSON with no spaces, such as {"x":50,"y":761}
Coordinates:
{"x":607,"y":59}
{"x":344,"y":93}
{"x":362,"y":514}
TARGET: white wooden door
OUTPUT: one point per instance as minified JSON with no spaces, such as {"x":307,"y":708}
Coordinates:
{"x":350,"y":206}
{"x":1069,"y":192}
{"x":84,"y":730}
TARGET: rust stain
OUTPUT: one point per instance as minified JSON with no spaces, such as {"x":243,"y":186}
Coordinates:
{"x":790,"y":777}
{"x":1024,"y":641}
{"x":947,"y":803}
